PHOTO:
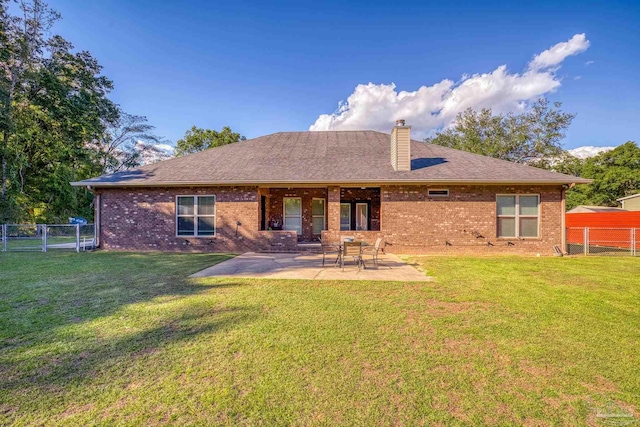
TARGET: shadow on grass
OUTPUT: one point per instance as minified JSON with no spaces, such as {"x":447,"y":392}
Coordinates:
{"x":43,"y":291}
{"x":44,"y":296}
{"x":56,"y":371}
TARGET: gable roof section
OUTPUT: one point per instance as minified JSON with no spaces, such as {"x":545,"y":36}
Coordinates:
{"x":330,"y":157}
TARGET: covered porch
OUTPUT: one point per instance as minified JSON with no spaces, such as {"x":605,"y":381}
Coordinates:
{"x":310,"y":214}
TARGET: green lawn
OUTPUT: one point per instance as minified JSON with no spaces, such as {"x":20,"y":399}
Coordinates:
{"x":125,"y":339}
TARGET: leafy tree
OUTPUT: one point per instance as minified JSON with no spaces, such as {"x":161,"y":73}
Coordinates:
{"x":22,"y":43}
{"x":53,"y":102}
{"x":529,"y":137}
{"x":616,"y":174}
{"x":125,"y":140}
{"x":65,"y":107}
{"x":198,"y":139}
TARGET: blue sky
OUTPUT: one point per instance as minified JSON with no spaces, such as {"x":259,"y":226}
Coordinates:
{"x":263,"y":67}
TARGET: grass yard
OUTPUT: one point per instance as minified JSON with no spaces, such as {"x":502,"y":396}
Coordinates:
{"x":125,"y":339}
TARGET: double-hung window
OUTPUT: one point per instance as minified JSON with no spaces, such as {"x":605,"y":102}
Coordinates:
{"x":196,"y":216}
{"x":518,"y":215}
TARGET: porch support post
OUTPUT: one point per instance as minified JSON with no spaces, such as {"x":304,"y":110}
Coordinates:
{"x":333,"y":208}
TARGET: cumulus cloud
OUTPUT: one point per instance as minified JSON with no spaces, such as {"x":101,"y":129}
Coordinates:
{"x":377,"y":106}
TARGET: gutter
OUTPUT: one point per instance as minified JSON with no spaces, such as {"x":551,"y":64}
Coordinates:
{"x":324,"y":183}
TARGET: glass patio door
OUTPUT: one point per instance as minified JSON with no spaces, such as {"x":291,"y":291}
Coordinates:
{"x":345,"y":216}
{"x":362,"y":216}
{"x":293,"y":214}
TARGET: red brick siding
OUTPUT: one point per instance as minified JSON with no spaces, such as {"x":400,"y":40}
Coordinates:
{"x":144,"y":219}
{"x":333,"y":208}
{"x":464,"y":222}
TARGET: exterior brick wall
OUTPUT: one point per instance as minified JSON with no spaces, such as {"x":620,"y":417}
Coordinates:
{"x":143,"y":219}
{"x":464,"y":222}
{"x":410,"y":220}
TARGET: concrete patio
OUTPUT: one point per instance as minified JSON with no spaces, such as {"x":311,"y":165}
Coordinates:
{"x":309,"y":266}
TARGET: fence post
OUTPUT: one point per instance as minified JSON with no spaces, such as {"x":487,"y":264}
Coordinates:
{"x":4,"y":237}
{"x":633,"y":241}
{"x":44,"y":237}
{"x":78,"y":238}
{"x":586,"y":240}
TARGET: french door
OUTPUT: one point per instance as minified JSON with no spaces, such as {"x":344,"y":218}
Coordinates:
{"x":362,"y":216}
{"x":354,"y":216}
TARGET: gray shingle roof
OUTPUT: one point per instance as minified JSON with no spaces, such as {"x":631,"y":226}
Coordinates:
{"x":326,"y":158}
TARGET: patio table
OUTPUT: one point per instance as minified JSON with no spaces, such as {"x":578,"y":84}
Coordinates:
{"x":341,"y":248}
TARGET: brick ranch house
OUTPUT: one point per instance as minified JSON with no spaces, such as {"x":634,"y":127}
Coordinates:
{"x":273,"y":192}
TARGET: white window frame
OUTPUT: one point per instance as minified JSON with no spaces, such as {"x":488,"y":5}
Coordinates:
{"x":195,"y":215}
{"x":284,"y":214}
{"x":348,"y":204}
{"x":430,"y":194}
{"x":517,"y":216}
{"x":324,"y":215}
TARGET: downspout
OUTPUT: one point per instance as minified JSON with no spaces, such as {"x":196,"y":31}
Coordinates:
{"x":563,"y":207}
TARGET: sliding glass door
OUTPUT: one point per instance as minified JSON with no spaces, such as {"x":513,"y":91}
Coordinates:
{"x":362,"y":216}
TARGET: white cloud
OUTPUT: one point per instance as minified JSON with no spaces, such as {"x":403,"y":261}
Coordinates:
{"x":577,"y":77}
{"x":377,"y":106}
{"x":152,"y":153}
{"x":588,"y":151}
{"x":559,"y":52}
{"x":587,"y":63}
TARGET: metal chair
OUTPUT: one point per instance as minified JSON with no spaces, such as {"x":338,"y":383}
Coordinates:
{"x":374,"y":250}
{"x":354,"y":250}
{"x":330,"y":249}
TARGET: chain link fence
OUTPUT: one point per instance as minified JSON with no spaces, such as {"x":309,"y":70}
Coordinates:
{"x":603,"y":241}
{"x":46,"y":237}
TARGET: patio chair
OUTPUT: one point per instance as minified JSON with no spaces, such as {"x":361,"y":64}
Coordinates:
{"x":374,"y":250}
{"x":353,"y":250}
{"x":330,"y":249}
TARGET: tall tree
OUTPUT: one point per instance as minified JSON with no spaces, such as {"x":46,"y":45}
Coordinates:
{"x":22,"y":52}
{"x":65,"y":107}
{"x":198,"y":139}
{"x":53,"y":103}
{"x":528,"y":137}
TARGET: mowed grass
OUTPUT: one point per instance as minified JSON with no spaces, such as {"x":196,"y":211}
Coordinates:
{"x":126,"y":339}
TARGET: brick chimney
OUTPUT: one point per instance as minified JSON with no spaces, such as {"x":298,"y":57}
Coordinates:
{"x":401,"y":146}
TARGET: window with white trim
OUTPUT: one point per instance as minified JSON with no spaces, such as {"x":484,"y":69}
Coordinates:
{"x":196,"y":216}
{"x":518,"y":215}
